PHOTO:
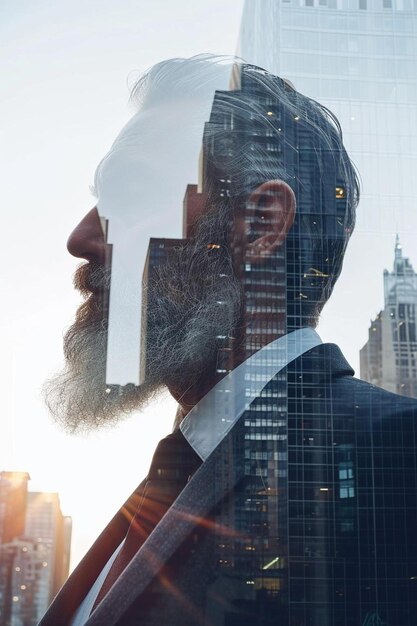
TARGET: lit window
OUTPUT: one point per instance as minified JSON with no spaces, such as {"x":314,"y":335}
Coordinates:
{"x":340,"y":192}
{"x":272,"y":147}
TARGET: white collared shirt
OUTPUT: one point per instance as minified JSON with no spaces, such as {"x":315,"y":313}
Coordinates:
{"x":205,"y":426}
{"x":82,"y":614}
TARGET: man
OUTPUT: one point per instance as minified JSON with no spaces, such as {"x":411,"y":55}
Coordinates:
{"x":287,"y":492}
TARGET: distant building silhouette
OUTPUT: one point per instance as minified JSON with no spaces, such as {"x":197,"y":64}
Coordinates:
{"x":388,"y":359}
{"x":13,"y":490}
{"x":34,"y":550}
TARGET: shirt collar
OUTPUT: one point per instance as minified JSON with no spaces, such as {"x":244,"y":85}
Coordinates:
{"x":214,"y":416}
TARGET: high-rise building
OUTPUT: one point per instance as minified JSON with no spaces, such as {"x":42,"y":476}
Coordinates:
{"x":389,"y":357}
{"x":358,"y":58}
{"x":303,"y":540}
{"x":306,"y":538}
{"x":46,"y":524}
{"x":34,"y":558}
{"x":252,"y":548}
{"x":13,"y":494}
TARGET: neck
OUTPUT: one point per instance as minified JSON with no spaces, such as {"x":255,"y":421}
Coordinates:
{"x":237,"y":350}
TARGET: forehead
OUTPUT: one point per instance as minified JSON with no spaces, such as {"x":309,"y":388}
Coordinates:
{"x":152,"y":160}
{"x":140,"y":186}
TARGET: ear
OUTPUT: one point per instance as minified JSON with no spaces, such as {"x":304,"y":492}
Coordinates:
{"x":269,"y":216}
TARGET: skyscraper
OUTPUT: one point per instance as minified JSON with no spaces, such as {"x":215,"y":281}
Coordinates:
{"x":271,"y":556}
{"x":358,"y":58}
{"x":389,"y":357}
{"x":308,"y":535}
{"x":34,"y":551}
{"x":46,"y":524}
{"x":13,"y":493}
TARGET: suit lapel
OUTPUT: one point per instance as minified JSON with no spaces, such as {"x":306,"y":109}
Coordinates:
{"x":85,"y":574}
{"x":194,"y":503}
{"x":191,"y":507}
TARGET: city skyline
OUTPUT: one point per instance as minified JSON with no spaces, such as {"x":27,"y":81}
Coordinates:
{"x":388,"y":359}
{"x":35,"y":545}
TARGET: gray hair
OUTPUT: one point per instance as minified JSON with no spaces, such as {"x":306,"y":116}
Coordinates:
{"x":300,"y":142}
{"x":266,"y":130}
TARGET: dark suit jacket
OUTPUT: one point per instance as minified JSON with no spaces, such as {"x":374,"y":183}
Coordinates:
{"x":306,"y":514}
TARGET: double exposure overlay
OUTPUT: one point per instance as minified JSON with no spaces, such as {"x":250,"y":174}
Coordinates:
{"x":287,"y":491}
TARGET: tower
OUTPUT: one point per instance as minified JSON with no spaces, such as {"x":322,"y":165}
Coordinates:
{"x":358,"y":58}
{"x":388,"y":359}
{"x":34,"y":550}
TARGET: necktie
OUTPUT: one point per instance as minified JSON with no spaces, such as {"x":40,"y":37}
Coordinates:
{"x":172,"y":465}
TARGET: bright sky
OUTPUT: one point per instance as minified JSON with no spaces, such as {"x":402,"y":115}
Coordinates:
{"x":65,"y":71}
{"x":64,"y":77}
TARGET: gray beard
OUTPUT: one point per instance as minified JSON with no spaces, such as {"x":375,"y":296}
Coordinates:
{"x":193,"y":299}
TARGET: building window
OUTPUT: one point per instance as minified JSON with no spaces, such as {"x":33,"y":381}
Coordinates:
{"x":272,"y":147}
{"x":347,"y":492}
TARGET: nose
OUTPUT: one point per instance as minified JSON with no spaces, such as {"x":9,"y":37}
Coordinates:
{"x":87,"y":239}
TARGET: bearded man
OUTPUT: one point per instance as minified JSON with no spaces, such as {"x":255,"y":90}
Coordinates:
{"x":287,"y":492}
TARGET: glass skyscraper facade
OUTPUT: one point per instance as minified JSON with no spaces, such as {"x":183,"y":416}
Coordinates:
{"x":34,"y":550}
{"x":343,"y":499}
{"x":308,"y":534}
{"x":358,"y":58}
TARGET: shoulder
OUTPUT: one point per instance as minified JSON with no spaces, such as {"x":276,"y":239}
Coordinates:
{"x":327,"y":373}
{"x":366,"y":407}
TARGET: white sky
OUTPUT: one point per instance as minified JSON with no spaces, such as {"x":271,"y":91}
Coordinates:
{"x":64,"y":76}
{"x":64,"y":79}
